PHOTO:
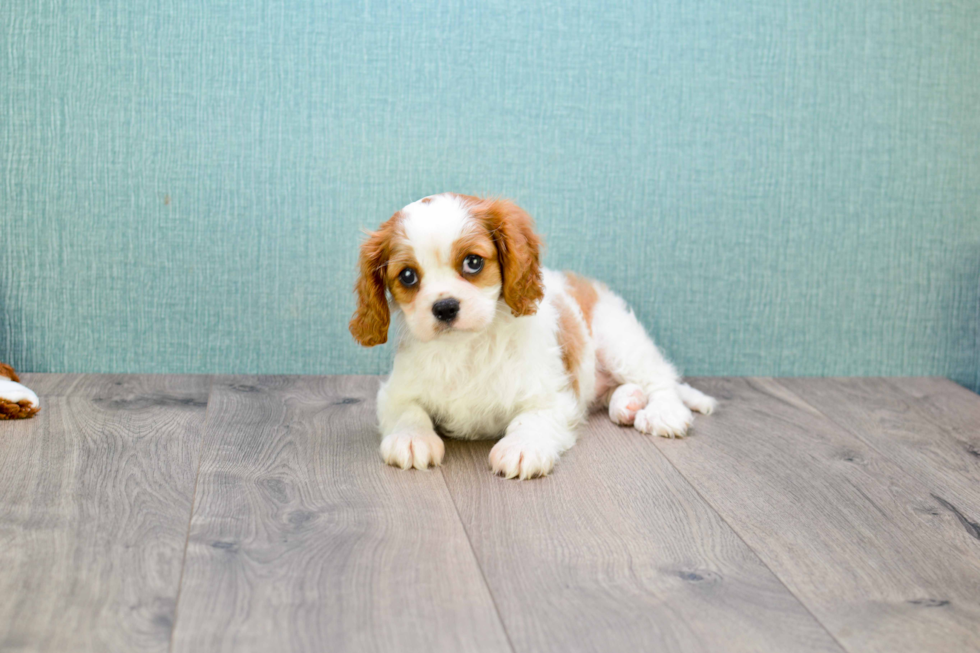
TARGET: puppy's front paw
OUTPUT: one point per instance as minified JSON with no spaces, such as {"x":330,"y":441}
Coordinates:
{"x":408,"y":449}
{"x":522,"y":456}
{"x":625,"y":402}
{"x":665,"y":415}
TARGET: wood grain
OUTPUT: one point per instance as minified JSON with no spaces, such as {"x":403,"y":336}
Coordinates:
{"x":862,"y":542}
{"x":303,"y":540}
{"x":908,"y":431}
{"x":616,"y":552}
{"x":52,"y":385}
{"x":95,"y":497}
{"x":803,"y":511}
{"x":951,"y":407}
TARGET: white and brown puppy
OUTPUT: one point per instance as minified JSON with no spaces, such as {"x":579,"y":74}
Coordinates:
{"x":492,"y":344}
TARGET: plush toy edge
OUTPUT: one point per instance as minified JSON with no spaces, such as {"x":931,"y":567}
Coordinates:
{"x":22,"y":408}
{"x":8,"y":372}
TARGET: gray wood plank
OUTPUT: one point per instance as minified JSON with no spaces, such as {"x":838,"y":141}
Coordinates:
{"x":615,"y":551}
{"x":52,"y":385}
{"x":863,"y":544}
{"x":95,"y":498}
{"x":303,"y":540}
{"x":950,"y":406}
{"x":903,"y":429}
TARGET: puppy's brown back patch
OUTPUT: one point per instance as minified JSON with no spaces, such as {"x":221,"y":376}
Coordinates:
{"x":585,"y":295}
{"x":571,"y":339}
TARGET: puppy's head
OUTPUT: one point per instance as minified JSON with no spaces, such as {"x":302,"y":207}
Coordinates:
{"x":448,"y":261}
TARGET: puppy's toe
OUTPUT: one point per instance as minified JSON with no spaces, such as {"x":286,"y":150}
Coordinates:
{"x":665,"y":416}
{"x":418,"y":450}
{"x":625,"y":402}
{"x":695,"y":399}
{"x":518,"y":456}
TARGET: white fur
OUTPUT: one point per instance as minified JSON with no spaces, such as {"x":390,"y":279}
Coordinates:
{"x":494,"y":374}
{"x":15,"y":393}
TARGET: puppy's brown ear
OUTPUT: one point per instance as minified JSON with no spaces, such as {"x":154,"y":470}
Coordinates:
{"x":369,"y":326}
{"x":519,"y":249}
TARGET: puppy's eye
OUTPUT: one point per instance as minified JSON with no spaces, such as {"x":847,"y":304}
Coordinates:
{"x":408,"y":277}
{"x":472,"y":264}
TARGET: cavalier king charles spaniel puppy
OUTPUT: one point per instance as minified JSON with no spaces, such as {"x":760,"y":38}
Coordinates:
{"x":492,"y":344}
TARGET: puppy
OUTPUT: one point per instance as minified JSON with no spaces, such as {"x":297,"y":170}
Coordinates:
{"x":492,"y":344}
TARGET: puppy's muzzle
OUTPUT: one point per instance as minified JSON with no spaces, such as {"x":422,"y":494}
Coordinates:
{"x":446,"y":310}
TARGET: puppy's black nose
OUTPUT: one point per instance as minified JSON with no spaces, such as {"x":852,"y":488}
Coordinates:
{"x":446,"y":310}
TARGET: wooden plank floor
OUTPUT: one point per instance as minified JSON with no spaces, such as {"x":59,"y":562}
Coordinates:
{"x":188,"y":513}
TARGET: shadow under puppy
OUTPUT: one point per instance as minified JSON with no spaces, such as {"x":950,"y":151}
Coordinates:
{"x":492,"y":344}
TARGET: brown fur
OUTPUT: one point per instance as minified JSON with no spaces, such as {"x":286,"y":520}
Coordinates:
{"x":402,"y":257}
{"x":21,"y":410}
{"x":8,"y":372}
{"x":369,"y":326}
{"x":481,"y":244}
{"x":571,"y":339}
{"x":10,"y":410}
{"x":518,"y":251}
{"x":584,"y":294}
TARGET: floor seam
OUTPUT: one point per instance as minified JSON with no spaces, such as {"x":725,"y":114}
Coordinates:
{"x":190,"y":519}
{"x":476,"y":561}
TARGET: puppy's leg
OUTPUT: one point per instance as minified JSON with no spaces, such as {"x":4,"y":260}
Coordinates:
{"x":625,"y":402}
{"x":627,"y":352}
{"x":696,"y":400}
{"x":408,"y":438}
{"x":534,"y":440}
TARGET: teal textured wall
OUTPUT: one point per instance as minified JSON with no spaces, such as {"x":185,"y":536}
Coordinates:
{"x":778,"y":187}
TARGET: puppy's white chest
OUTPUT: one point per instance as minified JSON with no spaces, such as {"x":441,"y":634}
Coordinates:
{"x":470,"y":404}
{"x":473,"y":387}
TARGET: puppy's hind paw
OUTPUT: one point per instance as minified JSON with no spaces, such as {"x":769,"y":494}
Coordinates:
{"x":418,"y":450}
{"x":627,"y":400}
{"x":696,"y":400}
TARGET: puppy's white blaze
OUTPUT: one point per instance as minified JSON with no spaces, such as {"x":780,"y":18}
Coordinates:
{"x":434,"y":226}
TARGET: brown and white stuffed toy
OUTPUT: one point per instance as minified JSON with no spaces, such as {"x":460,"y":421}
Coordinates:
{"x":16,"y":401}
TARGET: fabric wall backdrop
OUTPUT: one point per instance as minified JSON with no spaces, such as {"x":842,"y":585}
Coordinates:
{"x":786,"y":188}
